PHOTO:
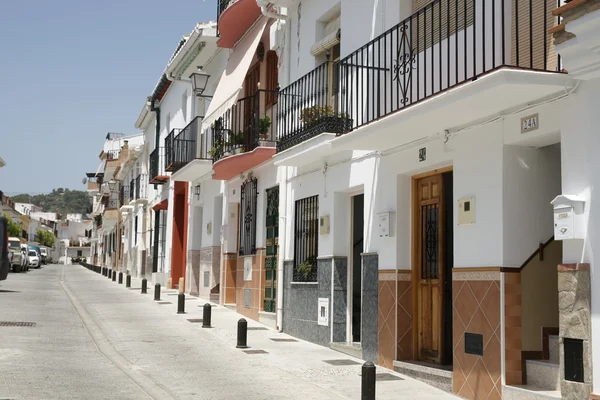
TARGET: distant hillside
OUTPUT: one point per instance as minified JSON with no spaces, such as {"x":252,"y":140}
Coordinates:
{"x":62,"y":201}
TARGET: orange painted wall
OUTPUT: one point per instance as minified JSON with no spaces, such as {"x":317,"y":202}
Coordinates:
{"x":180,"y":228}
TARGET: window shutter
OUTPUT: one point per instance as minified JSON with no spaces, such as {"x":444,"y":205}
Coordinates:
{"x":272,"y":77}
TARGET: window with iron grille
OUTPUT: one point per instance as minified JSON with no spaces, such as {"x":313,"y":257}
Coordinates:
{"x":249,"y":198}
{"x":306,"y":239}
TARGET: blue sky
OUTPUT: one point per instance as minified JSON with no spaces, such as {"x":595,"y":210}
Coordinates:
{"x":73,"y":70}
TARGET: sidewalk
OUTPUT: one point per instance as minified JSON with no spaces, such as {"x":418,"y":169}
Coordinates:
{"x":153,"y":335}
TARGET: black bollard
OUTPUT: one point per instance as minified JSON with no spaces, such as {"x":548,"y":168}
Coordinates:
{"x":367,"y":387}
{"x":157,"y":292}
{"x":109,"y":273}
{"x":242,"y":334}
{"x":103,"y":271}
{"x":181,"y":303}
{"x":114,"y":276}
{"x":206,"y":311}
{"x":120,"y":278}
{"x":144,"y":286}
{"x":128,"y":281}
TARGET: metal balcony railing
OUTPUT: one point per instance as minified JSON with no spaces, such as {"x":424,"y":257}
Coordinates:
{"x":221,"y":6}
{"x":307,"y":108}
{"x":112,"y":155}
{"x":189,"y":145}
{"x":157,"y":166}
{"x":245,"y":126}
{"x":169,"y":146}
{"x":444,"y":44}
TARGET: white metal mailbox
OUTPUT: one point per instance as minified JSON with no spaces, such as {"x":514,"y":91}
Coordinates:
{"x":568,"y":211}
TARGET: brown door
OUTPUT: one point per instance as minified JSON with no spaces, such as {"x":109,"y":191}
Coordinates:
{"x":251,"y":85}
{"x":429,"y":214}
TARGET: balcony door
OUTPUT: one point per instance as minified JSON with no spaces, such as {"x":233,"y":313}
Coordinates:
{"x":251,"y":84}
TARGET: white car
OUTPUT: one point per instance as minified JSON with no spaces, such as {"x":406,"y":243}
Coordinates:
{"x":34,"y":259}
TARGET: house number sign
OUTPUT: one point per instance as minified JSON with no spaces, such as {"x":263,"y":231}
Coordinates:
{"x":530,"y":123}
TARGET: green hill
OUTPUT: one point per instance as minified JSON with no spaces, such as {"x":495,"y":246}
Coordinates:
{"x":62,"y":201}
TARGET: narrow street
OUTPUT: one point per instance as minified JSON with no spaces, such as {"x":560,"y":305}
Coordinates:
{"x":94,"y":339}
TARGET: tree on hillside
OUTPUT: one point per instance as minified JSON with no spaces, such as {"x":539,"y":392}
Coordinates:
{"x":61,"y":200}
{"x":13,"y":228}
{"x":45,"y":238}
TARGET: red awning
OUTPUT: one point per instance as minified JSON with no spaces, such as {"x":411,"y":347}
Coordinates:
{"x":163,"y":205}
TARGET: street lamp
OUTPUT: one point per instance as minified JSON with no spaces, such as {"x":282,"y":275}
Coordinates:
{"x":112,"y":185}
{"x":199,"y":80}
{"x":197,"y":191}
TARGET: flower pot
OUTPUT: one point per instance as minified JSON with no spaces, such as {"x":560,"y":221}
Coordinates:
{"x":238,"y":150}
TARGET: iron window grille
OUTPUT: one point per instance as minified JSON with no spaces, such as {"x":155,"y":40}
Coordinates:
{"x":272,"y":228}
{"x":306,"y":239}
{"x":248,"y":200}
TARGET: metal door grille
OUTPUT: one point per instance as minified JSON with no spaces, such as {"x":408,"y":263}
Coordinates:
{"x":272,"y":225}
{"x":249,"y":198}
{"x":430,"y":251}
{"x":306,"y":239}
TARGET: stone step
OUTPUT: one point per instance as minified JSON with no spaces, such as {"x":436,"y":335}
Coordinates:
{"x":554,"y":348}
{"x":528,"y":392}
{"x":543,"y":374}
{"x":435,"y":375}
{"x":214,"y":298}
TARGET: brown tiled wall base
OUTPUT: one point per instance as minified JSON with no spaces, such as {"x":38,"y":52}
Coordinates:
{"x":253,"y":285}
{"x":476,"y":309}
{"x":230,"y":266}
{"x":404,"y":335}
{"x":512,"y":335}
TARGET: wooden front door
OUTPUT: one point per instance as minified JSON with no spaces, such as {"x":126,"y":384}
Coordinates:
{"x":251,"y":84}
{"x":429,"y":213}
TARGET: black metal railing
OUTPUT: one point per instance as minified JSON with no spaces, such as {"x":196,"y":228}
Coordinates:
{"x":444,"y":44}
{"x":189,"y":145}
{"x":307,"y":108}
{"x":221,"y":6}
{"x":157,"y":166}
{"x":306,"y":239}
{"x":140,"y":186}
{"x":124,"y":197}
{"x":244,"y":127}
{"x":248,"y":202}
{"x":132,"y":190}
{"x":169,"y":146}
{"x":112,"y":155}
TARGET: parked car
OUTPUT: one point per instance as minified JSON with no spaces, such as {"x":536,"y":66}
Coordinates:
{"x":16,"y":256}
{"x":34,"y":259}
{"x":4,"y":263}
{"x":44,"y":254}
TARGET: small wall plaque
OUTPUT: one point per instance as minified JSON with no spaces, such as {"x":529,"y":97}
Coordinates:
{"x":247,"y":268}
{"x":530,"y":123}
{"x":474,"y":343}
{"x":422,"y":154}
{"x":247,"y":295}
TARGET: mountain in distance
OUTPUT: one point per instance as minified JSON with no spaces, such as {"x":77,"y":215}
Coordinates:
{"x":62,"y":201}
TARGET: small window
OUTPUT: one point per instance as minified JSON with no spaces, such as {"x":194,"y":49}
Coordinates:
{"x":249,"y":199}
{"x":79,"y":253}
{"x":272,"y":78}
{"x":306,"y":239}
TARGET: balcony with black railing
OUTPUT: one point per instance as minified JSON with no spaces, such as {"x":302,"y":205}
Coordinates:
{"x":444,"y":46}
{"x":169,"y":145}
{"x":245,"y":135}
{"x":190,"y":153}
{"x":158,"y":175}
{"x":234,"y":18}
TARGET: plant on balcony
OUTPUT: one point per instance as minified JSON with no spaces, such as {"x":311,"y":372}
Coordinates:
{"x":324,"y":119}
{"x":264,"y":124}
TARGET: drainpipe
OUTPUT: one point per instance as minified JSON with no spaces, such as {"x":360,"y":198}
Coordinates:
{"x":279,"y":315}
{"x":263,"y":4}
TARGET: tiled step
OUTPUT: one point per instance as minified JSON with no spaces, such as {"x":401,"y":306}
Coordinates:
{"x":434,"y":375}
{"x":554,"y":348}
{"x":528,"y":392}
{"x":543,"y":374}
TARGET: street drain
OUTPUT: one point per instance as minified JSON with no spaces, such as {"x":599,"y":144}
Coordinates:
{"x":257,"y":328}
{"x":387,"y":377}
{"x":340,"y":362}
{"x":283,"y":340}
{"x":195,"y":320}
{"x":191,"y":298}
{"x":172,"y":294}
{"x":134,"y":288}
{"x":164,"y":302}
{"x":255,"y":352}
{"x":16,"y":323}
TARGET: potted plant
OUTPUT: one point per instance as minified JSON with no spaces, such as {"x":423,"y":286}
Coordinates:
{"x":238,"y":141}
{"x":324,"y":119}
{"x":305,"y":268}
{"x":212,"y":153}
{"x":264,"y":124}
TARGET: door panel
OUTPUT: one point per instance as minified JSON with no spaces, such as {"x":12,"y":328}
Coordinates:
{"x":430,"y":263}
